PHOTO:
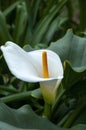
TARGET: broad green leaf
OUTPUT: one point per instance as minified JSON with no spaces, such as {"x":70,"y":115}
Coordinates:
{"x":23,"y":118}
{"x":73,"y":49}
{"x":5,"y":126}
{"x":79,"y":127}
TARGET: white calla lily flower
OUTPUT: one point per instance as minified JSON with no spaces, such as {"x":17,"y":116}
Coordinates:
{"x":28,"y":66}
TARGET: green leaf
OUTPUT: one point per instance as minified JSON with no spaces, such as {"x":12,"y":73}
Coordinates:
{"x":37,"y":93}
{"x":77,"y":115}
{"x":28,"y":48}
{"x":23,"y":118}
{"x":45,"y":22}
{"x":72,"y":51}
{"x":71,"y":48}
{"x":5,"y":126}
{"x":71,"y":76}
{"x":35,"y":7}
{"x":10,"y":8}
{"x":81,"y":119}
{"x":16,"y":97}
{"x":79,"y":127}
{"x":54,"y":26}
{"x":20,"y":23}
{"x":4,"y":33}
{"x":80,"y":88}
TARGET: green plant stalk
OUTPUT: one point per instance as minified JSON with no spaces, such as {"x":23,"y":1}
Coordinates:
{"x":47,"y":110}
{"x":16,"y":97}
{"x":82,"y":7}
{"x":74,"y":115}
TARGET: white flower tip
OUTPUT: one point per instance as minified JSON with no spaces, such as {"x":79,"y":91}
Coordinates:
{"x":8,"y":43}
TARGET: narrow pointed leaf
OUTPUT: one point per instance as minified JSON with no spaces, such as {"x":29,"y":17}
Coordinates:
{"x":44,"y":23}
{"x":20,"y":23}
{"x":10,"y":8}
{"x":4,"y":33}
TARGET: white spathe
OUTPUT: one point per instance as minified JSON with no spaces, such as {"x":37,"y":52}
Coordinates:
{"x":27,"y":66}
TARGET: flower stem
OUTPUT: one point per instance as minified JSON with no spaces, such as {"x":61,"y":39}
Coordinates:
{"x":47,"y":110}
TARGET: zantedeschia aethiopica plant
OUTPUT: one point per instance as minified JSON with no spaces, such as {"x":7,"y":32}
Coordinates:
{"x":43,"y":66}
